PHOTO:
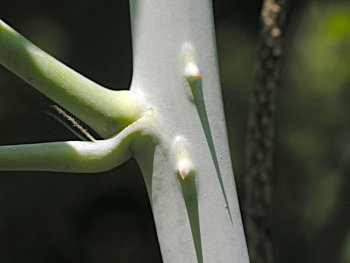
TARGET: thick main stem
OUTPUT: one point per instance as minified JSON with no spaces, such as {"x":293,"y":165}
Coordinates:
{"x":161,"y":29}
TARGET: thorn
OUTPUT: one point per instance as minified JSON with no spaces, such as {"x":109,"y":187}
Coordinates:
{"x":184,"y":165}
{"x":191,"y":70}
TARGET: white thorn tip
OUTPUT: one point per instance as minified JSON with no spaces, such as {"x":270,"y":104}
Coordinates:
{"x":184,"y":165}
{"x":191,"y":70}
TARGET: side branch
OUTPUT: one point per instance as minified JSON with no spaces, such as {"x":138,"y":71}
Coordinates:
{"x":73,"y":156}
{"x":104,"y":110}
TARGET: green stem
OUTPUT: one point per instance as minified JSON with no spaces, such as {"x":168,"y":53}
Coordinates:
{"x":74,"y":156}
{"x":104,"y":110}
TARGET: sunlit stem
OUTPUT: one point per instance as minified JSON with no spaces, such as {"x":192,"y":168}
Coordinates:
{"x":106,"y":111}
{"x":73,"y":156}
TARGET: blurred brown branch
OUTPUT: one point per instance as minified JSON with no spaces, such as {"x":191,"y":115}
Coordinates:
{"x":258,"y":177}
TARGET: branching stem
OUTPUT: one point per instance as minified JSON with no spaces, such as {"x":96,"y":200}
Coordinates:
{"x":106,"y":111}
{"x":73,"y":156}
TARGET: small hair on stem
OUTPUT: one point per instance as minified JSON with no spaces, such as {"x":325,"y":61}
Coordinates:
{"x":64,"y":117}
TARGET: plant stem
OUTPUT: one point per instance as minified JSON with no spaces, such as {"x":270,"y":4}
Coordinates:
{"x":189,"y":229}
{"x":74,"y":156}
{"x":104,"y":110}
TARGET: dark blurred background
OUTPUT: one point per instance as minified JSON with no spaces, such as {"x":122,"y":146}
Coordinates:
{"x":53,"y":217}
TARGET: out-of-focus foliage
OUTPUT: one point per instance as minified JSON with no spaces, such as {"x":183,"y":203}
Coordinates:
{"x":312,"y":185}
{"x":313,"y":138}
{"x":323,"y":49}
{"x":313,"y":129}
{"x":53,"y":217}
